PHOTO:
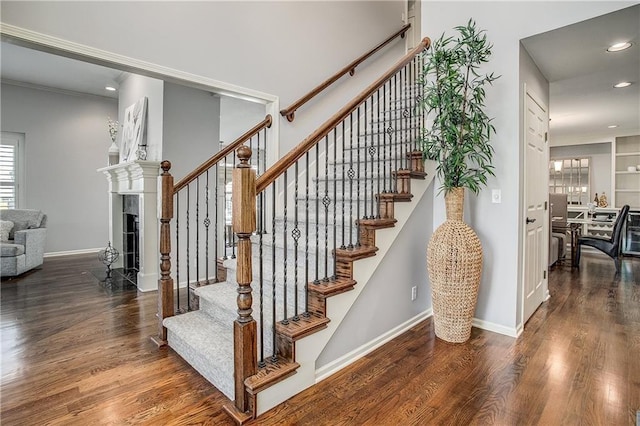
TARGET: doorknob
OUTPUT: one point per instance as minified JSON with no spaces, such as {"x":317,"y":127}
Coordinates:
{"x":530,"y":220}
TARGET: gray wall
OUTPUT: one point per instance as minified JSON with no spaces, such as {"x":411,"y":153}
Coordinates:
{"x":191,"y":127}
{"x":66,"y":140}
{"x":499,"y":226}
{"x":237,"y":116}
{"x":133,"y":88}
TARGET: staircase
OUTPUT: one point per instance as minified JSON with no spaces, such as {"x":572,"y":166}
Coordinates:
{"x":311,"y":232}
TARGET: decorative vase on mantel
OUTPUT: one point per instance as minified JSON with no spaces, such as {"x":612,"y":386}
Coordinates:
{"x":454,"y":262}
{"x":114,"y":154}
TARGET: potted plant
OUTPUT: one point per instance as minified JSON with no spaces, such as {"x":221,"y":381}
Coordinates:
{"x":458,"y":141}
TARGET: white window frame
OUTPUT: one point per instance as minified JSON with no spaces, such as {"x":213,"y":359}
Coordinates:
{"x":17,"y":140}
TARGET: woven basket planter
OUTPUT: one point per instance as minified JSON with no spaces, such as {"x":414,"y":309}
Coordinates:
{"x":454,"y":262}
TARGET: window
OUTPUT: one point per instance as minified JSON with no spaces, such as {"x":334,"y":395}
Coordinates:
{"x":11,"y":169}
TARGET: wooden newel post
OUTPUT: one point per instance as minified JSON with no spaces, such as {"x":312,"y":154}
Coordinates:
{"x":165,"y":283}
{"x":244,"y":224}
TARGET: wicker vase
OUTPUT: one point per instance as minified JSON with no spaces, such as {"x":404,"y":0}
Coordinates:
{"x":454,"y":262}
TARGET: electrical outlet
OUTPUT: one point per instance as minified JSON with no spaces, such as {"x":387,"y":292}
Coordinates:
{"x":414,"y":292}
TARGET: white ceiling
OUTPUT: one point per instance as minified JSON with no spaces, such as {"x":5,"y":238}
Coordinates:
{"x":581,"y":75}
{"x":32,"y":67}
{"x":574,"y":60}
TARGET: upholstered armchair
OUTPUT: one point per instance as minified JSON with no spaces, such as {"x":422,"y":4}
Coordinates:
{"x":22,"y":238}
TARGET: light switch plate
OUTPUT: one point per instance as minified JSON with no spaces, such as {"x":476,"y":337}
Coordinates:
{"x":496,"y":196}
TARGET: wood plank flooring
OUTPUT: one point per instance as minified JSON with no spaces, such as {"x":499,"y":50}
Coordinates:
{"x":77,"y":353}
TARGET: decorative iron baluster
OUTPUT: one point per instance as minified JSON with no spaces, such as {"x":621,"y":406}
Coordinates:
{"x":385,"y":145}
{"x":177,"y":195}
{"x":317,"y":210}
{"x":207,"y":222}
{"x":371,"y":150}
{"x":395,"y":122}
{"x":296,"y":236}
{"x":261,"y":362}
{"x":274,"y":356}
{"x":344,"y":198}
{"x":380,"y":114}
{"x":197,"y":283}
{"x":284,"y":243}
{"x":225,"y":232}
{"x":351,"y":174}
{"x":306,"y":231}
{"x":188,"y":249}
{"x":357,"y":176}
{"x":335,"y":196}
{"x":326,"y":201}
{"x":216,"y":225}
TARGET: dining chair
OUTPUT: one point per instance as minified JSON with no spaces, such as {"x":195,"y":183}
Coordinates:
{"x":609,"y":246}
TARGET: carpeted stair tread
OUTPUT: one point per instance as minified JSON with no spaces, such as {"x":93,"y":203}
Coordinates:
{"x":206,"y":345}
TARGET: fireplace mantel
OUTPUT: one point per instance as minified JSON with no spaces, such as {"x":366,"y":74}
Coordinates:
{"x":141,"y":178}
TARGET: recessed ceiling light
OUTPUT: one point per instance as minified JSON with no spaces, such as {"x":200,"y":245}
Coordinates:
{"x":619,"y":46}
{"x":613,"y":126}
{"x":110,"y":88}
{"x":622,"y":84}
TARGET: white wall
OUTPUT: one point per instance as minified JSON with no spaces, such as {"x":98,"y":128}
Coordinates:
{"x":66,"y":140}
{"x":133,"y":88}
{"x":499,"y":226}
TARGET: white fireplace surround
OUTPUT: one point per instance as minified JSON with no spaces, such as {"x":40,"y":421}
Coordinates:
{"x":141,"y":178}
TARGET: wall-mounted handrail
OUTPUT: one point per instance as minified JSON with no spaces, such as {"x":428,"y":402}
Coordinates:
{"x":290,"y":111}
{"x":270,"y":175}
{"x":218,"y":156}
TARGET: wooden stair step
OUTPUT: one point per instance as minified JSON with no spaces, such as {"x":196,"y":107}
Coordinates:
{"x":332,"y":287}
{"x":398,"y":197}
{"x":304,"y":326}
{"x":377,"y":223}
{"x":272,"y":373}
{"x":356,"y":253}
{"x":417,"y":175}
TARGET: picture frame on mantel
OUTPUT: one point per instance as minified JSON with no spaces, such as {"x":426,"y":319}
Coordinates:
{"x":133,"y":130}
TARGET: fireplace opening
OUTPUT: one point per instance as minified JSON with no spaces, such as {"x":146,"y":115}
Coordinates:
{"x":130,"y":234}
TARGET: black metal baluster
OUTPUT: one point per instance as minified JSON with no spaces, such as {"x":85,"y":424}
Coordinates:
{"x":335,"y":196}
{"x":188,"y":258}
{"x":306,"y":233}
{"x":207,"y":222}
{"x":366,"y":144}
{"x":261,"y":362}
{"x":404,"y":124}
{"x":357,"y":177}
{"x":351,"y":176}
{"x":197,"y":230}
{"x":317,"y":210}
{"x":296,"y":235}
{"x":379,"y":108}
{"x":274,"y":357}
{"x":326,"y":201}
{"x":396,"y":142}
{"x":344,"y":178}
{"x":385,"y":144}
{"x":178,"y":249}
{"x":284,"y":243}
{"x":216,"y":225}
{"x":225,"y":230}
{"x":371,"y":151}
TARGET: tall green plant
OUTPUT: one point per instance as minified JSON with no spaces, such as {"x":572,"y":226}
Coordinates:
{"x":454,"y":99}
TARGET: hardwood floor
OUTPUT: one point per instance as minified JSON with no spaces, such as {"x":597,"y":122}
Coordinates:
{"x":77,"y":353}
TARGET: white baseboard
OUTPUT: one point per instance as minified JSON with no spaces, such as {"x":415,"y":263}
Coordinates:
{"x":72,"y":252}
{"x":496,"y":328}
{"x":351,"y":357}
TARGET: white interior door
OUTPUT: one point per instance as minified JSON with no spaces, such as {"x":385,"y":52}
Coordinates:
{"x":536,"y":190}
{"x":413,"y":18}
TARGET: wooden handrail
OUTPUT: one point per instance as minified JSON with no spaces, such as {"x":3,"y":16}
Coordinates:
{"x":266,"y":123}
{"x":270,"y":175}
{"x":290,"y":112}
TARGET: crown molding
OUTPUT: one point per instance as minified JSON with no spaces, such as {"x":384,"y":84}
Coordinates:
{"x":32,"y":39}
